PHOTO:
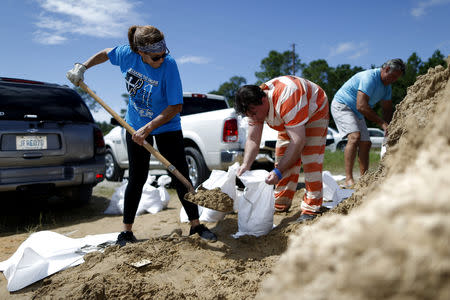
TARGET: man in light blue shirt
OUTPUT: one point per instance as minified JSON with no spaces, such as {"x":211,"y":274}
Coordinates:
{"x":354,"y":102}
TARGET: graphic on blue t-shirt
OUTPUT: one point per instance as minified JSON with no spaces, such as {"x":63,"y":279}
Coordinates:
{"x":140,"y":88}
{"x":151,"y":90}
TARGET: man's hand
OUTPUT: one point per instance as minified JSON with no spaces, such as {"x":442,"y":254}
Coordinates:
{"x":272,"y":178}
{"x":76,"y":74}
{"x":384,"y":126}
{"x":242,"y":169}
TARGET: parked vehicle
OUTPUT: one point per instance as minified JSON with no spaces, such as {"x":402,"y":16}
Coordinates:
{"x":211,"y":135}
{"x":339,"y":143}
{"x":50,"y":143}
{"x":376,"y":137}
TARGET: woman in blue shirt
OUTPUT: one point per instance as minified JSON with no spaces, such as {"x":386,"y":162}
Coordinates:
{"x":155,"y":102}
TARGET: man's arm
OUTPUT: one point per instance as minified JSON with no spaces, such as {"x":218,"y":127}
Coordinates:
{"x":387,"y":107}
{"x":293,"y":152}
{"x":251,"y":146}
{"x":362,"y":105}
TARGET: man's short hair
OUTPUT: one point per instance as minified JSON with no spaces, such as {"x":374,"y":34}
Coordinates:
{"x":248,"y":95}
{"x":395,"y":64}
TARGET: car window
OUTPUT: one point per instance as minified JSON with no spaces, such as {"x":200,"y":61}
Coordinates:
{"x":193,"y":105}
{"x":39,"y":102}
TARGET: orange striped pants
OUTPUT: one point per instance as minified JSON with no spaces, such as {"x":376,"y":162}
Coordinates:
{"x":312,"y":159}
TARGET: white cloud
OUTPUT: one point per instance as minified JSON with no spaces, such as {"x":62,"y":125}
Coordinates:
{"x":48,"y":39}
{"x":422,"y":6}
{"x":193,"y":60}
{"x":351,"y":50}
{"x":101,"y":18}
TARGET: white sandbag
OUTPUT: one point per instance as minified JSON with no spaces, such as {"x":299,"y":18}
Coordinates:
{"x":184,"y":217}
{"x":164,"y":196}
{"x":206,"y":215}
{"x":115,"y":206}
{"x":239,"y":195}
{"x":256,"y":207}
{"x":383,"y":147}
{"x":333,"y":194}
{"x":163,"y":182}
{"x":150,"y":201}
{"x":330,"y":188}
{"x":211,"y":215}
{"x":153,"y":200}
{"x":226,"y":181}
{"x":45,"y":253}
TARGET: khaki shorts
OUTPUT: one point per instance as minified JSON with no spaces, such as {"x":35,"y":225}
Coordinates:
{"x":347,"y":122}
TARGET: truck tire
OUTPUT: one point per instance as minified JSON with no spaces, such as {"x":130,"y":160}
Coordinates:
{"x":198,"y":171}
{"x":113,"y":172}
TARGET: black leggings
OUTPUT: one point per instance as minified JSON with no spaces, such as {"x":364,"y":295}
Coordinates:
{"x":170,"y":145}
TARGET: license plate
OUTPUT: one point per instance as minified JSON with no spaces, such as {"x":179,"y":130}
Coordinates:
{"x":31,"y":142}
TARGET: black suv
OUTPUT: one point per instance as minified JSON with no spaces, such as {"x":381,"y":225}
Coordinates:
{"x":49,"y":142}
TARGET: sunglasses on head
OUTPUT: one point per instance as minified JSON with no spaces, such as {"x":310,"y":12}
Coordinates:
{"x":158,"y":57}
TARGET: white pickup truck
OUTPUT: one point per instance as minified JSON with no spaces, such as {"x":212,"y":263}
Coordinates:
{"x":214,"y":138}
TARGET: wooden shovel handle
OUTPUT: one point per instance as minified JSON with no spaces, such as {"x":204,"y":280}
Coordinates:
{"x":130,"y":130}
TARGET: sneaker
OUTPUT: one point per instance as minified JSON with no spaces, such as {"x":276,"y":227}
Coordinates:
{"x":203,"y":232}
{"x":305,"y":217}
{"x":125,"y":237}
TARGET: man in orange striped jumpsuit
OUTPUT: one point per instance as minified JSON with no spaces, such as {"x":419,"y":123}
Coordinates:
{"x":298,"y":110}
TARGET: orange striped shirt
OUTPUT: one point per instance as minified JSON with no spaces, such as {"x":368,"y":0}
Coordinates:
{"x":293,"y":101}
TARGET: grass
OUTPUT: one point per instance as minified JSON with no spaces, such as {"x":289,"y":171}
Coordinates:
{"x":334,"y":162}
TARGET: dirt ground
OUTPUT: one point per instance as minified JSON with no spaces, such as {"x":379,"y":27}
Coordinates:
{"x":182,"y":266}
{"x":388,"y":241}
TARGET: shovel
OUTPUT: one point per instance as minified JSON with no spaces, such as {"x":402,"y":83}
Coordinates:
{"x":147,"y":146}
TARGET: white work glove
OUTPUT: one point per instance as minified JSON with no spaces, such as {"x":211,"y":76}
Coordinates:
{"x":76,"y":74}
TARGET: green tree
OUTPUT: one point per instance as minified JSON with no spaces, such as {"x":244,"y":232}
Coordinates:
{"x":330,"y":79}
{"x":399,"y":88}
{"x":90,"y":102}
{"x":338,"y":76}
{"x":123,"y":111}
{"x":436,"y":59}
{"x":105,"y":127}
{"x":318,"y":72}
{"x":414,"y":67}
{"x":278,"y":64}
{"x":229,"y":88}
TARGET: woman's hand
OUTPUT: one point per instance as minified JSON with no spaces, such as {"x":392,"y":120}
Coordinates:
{"x":140,"y":135}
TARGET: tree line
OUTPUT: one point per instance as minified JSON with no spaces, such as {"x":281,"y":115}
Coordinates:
{"x":318,"y":71}
{"x":328,"y":77}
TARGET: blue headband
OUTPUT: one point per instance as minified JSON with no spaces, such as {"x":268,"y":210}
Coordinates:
{"x":154,"y":48}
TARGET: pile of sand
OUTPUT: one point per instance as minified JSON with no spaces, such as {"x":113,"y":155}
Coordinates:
{"x":389,"y":240}
{"x":395,"y":245}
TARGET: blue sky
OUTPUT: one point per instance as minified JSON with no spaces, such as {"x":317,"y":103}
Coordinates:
{"x":214,"y":40}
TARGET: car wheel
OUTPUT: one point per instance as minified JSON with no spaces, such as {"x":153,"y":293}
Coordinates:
{"x":113,"y":172}
{"x":341,"y":146}
{"x":198,"y":171}
{"x":78,"y":195}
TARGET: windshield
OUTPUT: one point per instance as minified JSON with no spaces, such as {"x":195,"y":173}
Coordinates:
{"x":40,"y":102}
{"x":194,"y":105}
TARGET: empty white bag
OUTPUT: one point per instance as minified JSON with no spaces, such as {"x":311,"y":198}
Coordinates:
{"x":256,"y":206}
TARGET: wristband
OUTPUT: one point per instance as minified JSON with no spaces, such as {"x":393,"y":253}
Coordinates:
{"x":278,"y":173}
